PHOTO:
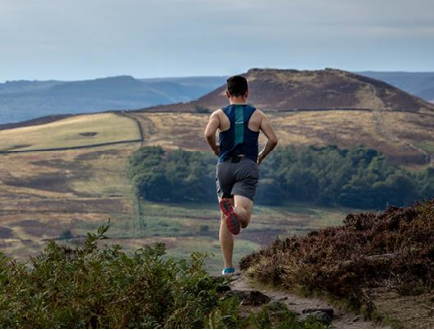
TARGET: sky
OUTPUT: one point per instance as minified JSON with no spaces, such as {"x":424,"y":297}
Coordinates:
{"x":86,"y":39}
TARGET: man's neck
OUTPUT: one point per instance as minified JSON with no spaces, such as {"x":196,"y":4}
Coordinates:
{"x":236,"y":100}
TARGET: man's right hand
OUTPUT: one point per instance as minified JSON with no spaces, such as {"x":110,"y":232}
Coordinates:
{"x":216,"y":150}
{"x":261,"y":158}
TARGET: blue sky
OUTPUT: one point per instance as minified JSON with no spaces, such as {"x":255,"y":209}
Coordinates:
{"x":82,"y":39}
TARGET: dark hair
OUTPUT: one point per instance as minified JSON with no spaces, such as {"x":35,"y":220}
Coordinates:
{"x":237,"y":86}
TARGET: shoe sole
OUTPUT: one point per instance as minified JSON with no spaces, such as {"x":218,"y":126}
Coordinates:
{"x":231,"y":217}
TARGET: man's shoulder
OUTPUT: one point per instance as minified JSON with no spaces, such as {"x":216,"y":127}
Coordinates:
{"x":258,"y":112}
{"x":217,"y":112}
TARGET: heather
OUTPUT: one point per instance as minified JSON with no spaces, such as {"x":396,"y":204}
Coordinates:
{"x":393,"y":250}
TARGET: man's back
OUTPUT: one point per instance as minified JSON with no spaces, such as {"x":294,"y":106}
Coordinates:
{"x":237,"y":138}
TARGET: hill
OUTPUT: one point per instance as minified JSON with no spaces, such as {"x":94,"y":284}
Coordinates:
{"x":26,"y":100}
{"x":420,"y":84}
{"x":286,"y":90}
{"x":392,"y":250}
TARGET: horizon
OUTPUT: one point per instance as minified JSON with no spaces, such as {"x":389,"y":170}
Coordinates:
{"x":206,"y":76}
{"x":76,"y":40}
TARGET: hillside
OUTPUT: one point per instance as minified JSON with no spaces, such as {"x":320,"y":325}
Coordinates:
{"x":393,"y":250}
{"x":420,"y":84}
{"x":26,"y":100}
{"x":285,"y":90}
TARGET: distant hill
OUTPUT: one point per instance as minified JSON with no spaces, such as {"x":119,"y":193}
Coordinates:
{"x":25,"y":100}
{"x":420,"y":84}
{"x":329,"y":89}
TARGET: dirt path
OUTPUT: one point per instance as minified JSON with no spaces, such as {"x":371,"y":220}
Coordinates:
{"x":341,"y":319}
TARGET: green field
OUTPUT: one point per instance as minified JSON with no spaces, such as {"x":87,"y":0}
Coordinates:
{"x":186,"y":228}
{"x":71,"y":132}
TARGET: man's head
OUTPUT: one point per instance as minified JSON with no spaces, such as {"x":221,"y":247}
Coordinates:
{"x":237,"y":87}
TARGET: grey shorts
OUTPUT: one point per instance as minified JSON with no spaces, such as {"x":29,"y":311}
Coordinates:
{"x":237,"y":176}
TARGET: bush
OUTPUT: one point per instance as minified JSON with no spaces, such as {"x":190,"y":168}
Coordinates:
{"x":394,"y":249}
{"x":201,"y":109}
{"x":92,"y":287}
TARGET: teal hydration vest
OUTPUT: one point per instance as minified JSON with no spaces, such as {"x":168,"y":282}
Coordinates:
{"x":238,"y":139}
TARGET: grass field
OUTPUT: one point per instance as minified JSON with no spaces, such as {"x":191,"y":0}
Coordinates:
{"x":188,"y":227}
{"x":71,"y":132}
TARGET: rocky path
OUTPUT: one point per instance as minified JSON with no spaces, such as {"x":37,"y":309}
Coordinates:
{"x":340,"y":318}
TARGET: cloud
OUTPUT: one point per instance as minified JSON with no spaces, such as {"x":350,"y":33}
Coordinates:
{"x":88,"y":38}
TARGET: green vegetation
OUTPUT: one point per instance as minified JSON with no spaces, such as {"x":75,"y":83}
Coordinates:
{"x":393,"y":250}
{"x":356,"y":177}
{"x":201,"y":110}
{"x":93,"y":287}
{"x":81,"y":130}
{"x":178,"y":176}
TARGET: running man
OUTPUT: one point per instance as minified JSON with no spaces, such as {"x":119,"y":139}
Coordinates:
{"x":237,"y":170}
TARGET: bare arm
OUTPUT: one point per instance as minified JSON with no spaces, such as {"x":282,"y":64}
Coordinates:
{"x":210,"y":132}
{"x":268,"y":130}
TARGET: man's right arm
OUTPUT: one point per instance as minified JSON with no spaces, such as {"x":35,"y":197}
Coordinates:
{"x":272,"y":141}
{"x":210,"y":132}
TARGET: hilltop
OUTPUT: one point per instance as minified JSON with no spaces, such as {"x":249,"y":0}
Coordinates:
{"x":286,"y":90}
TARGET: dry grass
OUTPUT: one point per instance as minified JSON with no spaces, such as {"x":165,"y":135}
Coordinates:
{"x":43,"y":194}
{"x":390,"y":134}
{"x":70,"y":132}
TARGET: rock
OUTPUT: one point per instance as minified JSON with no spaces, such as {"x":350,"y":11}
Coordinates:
{"x":258,"y":298}
{"x":328,"y":311}
{"x":252,"y":298}
{"x":317,"y":315}
{"x":223,"y":288}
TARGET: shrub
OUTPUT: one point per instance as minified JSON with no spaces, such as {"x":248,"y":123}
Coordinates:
{"x":94,"y":287}
{"x":394,"y":249}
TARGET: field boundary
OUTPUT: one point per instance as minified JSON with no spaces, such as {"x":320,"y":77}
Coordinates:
{"x":73,"y":147}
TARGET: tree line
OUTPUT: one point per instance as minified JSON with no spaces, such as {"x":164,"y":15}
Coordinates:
{"x":358,"y":177}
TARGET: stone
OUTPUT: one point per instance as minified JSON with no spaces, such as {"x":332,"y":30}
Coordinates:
{"x":316,"y":315}
{"x":328,"y":311}
{"x":252,"y":298}
{"x":223,"y":288}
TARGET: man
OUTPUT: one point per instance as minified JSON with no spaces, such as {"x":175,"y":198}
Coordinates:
{"x":237,"y":170}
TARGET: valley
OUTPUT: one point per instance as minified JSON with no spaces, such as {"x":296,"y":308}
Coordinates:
{"x":63,"y":177}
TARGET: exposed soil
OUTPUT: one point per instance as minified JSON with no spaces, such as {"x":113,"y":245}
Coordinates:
{"x":88,"y":134}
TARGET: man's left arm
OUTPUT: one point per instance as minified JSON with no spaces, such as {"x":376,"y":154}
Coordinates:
{"x":210,"y":132}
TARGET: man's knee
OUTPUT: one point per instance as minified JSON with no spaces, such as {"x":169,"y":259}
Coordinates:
{"x":245,"y":223}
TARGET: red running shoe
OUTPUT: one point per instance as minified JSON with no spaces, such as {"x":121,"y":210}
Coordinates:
{"x":231,"y":217}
